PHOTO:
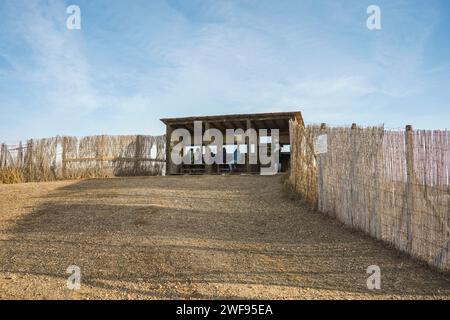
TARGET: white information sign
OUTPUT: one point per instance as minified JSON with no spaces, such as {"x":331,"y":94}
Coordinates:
{"x":321,"y":144}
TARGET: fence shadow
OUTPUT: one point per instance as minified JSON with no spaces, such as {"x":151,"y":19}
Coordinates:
{"x":240,"y":231}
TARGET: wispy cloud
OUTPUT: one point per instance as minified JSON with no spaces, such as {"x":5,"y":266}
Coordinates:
{"x":132,"y":63}
{"x":59,"y":69}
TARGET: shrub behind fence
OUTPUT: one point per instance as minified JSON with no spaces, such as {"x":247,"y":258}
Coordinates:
{"x":393,"y":185}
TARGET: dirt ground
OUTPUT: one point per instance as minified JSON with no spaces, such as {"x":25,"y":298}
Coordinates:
{"x":190,"y":237}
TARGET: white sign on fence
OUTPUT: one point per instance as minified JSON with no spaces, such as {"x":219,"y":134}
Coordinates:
{"x":321,"y":144}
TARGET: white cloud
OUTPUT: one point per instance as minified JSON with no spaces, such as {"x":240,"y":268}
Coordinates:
{"x":61,"y":71}
{"x":218,"y":57}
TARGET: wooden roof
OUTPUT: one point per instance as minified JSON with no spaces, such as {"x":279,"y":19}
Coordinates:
{"x":272,"y":120}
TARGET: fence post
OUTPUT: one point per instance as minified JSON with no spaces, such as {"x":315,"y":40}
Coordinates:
{"x":64,"y":158}
{"x":353,"y":157}
{"x":19,"y":163}
{"x":3,"y":155}
{"x":137,"y":156}
{"x":102,"y":153}
{"x":377,"y":207}
{"x":29,"y":161}
{"x":295,"y":152}
{"x":320,"y":165}
{"x":409,"y":148}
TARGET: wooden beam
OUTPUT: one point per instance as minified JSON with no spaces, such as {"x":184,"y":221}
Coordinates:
{"x":218,"y":126}
{"x":251,"y":116}
{"x":207,"y":166}
{"x":258,"y":124}
{"x":238,"y":124}
{"x":270,"y":123}
{"x":178,"y":121}
{"x":169,"y":169}
{"x":281,"y":124}
{"x":188,"y":126}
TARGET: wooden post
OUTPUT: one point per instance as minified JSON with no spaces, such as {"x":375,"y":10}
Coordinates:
{"x":247,"y":142}
{"x":298,"y":156}
{"x":29,"y":168}
{"x":100,"y":153}
{"x":320,"y":165}
{"x":257,"y":165}
{"x":20,"y":156}
{"x":353,"y":158}
{"x":208,"y":167}
{"x":137,"y":155}
{"x":3,"y":155}
{"x":409,"y":148}
{"x":64,"y":157}
{"x":169,"y":169}
{"x":377,"y":207}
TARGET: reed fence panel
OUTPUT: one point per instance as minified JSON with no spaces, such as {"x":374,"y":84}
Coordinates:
{"x":393,"y":185}
{"x":85,"y":157}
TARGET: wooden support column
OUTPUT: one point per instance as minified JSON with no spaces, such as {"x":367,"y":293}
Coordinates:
{"x":409,"y":147}
{"x":247,"y":141}
{"x":169,"y":165}
{"x":257,"y":150}
{"x":208,"y":167}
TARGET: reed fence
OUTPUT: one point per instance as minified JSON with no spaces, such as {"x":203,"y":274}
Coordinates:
{"x":394,"y":185}
{"x":86,"y":157}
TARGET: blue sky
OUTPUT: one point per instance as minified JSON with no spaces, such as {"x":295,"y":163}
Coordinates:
{"x":134,"y":62}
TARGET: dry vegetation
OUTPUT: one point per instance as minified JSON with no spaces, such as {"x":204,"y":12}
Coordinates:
{"x":190,"y":237}
{"x":11,"y":175}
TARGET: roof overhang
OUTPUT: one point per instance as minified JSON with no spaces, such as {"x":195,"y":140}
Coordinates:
{"x":273,"y":120}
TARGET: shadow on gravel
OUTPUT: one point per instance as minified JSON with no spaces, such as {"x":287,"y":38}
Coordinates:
{"x":164,"y":230}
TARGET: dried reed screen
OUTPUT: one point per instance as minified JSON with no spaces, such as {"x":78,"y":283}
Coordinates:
{"x":393,"y":185}
{"x":85,"y":157}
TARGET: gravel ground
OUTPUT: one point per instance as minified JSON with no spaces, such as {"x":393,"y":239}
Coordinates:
{"x":190,"y":237}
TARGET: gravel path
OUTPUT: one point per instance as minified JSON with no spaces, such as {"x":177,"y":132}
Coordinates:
{"x":190,"y":237}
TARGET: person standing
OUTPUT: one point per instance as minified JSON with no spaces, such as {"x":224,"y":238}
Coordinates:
{"x":198,"y":156}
